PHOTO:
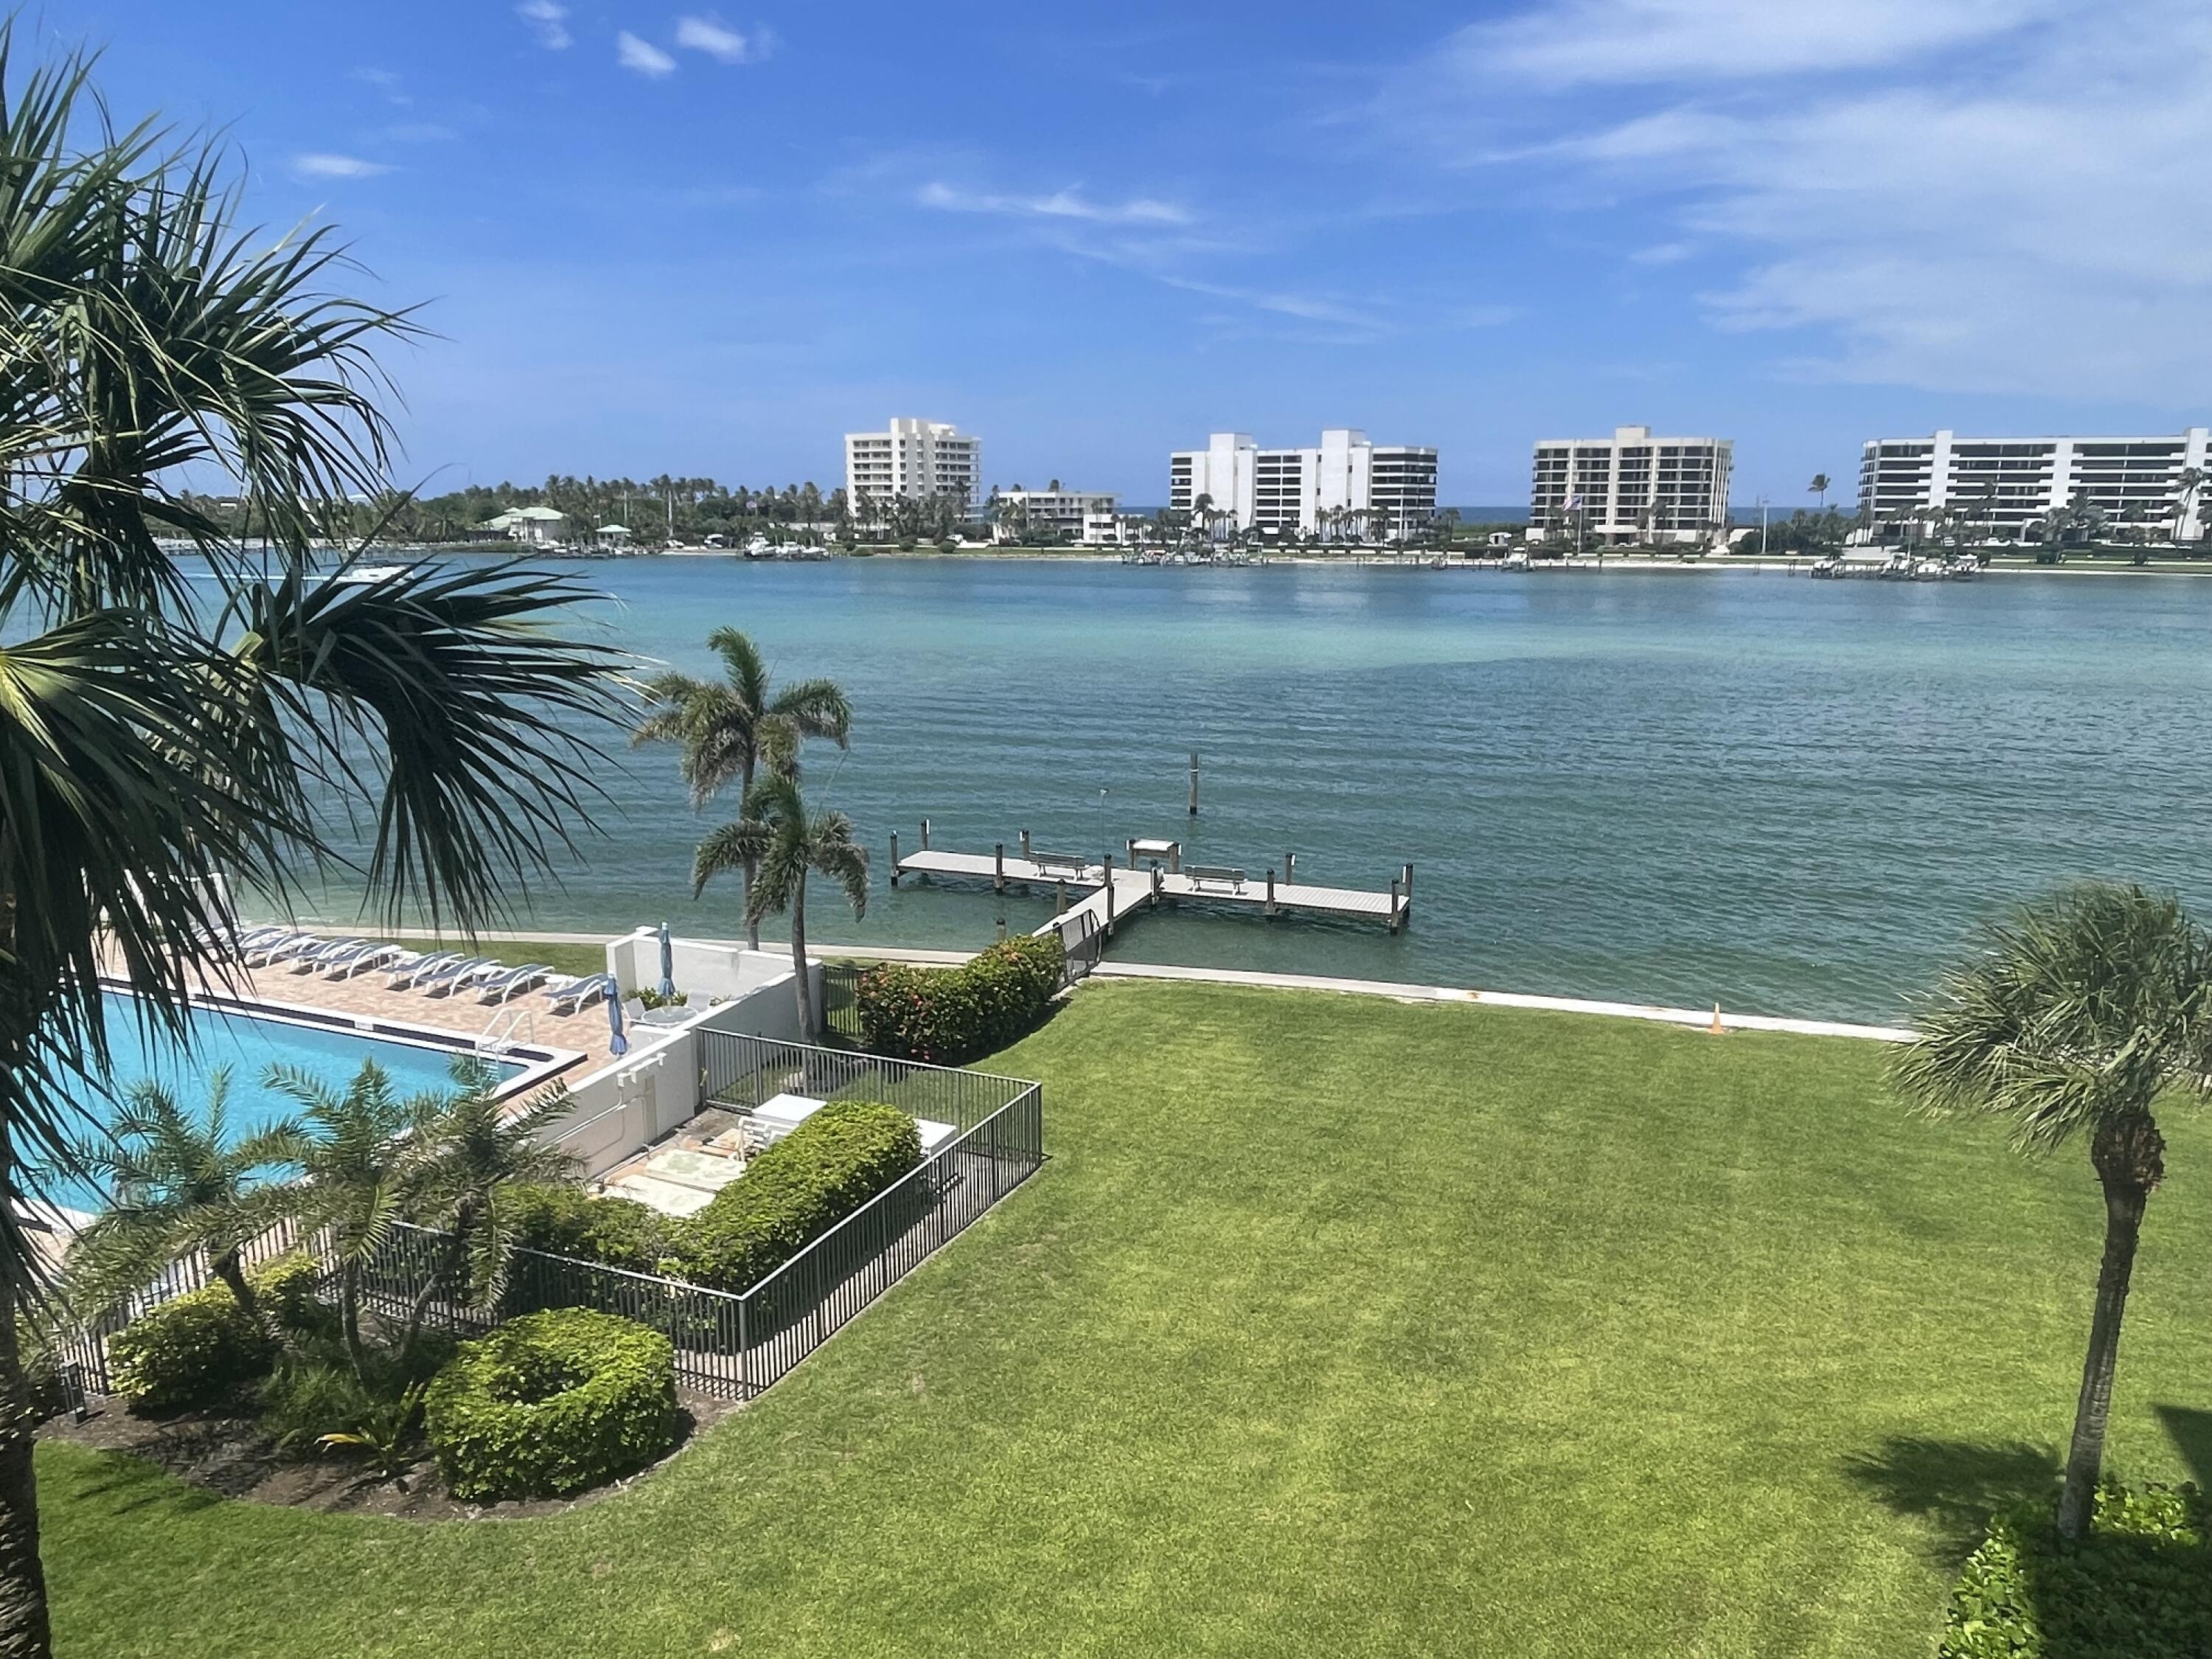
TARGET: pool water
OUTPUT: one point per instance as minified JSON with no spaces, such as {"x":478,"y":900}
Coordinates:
{"x":247,"y":1047}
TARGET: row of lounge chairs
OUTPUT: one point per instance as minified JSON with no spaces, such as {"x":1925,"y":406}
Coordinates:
{"x":433,"y":973}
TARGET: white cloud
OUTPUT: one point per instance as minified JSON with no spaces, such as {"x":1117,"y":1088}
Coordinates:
{"x":642,"y":56}
{"x":548,"y":21}
{"x":1631,"y":42}
{"x":2021,"y":218}
{"x":710,"y":35}
{"x":1060,"y":204}
{"x":321,"y":164}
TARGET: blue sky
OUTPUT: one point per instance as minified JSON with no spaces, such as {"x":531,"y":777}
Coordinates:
{"x":658,"y":237}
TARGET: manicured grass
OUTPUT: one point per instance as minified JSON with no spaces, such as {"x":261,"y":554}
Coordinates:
{"x":563,"y":958}
{"x":1334,"y":1326}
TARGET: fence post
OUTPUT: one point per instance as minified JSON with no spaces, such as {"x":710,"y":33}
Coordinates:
{"x":744,"y":1354}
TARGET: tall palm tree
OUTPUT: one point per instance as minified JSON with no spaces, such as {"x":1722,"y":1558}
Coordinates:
{"x":1819,"y":487}
{"x":170,"y":732}
{"x":784,"y":843}
{"x":178,"y":1183}
{"x":2188,"y":485}
{"x":729,"y":727}
{"x":2074,"y":1020}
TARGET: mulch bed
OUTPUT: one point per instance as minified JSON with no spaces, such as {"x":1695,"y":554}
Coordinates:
{"x":230,"y":1456}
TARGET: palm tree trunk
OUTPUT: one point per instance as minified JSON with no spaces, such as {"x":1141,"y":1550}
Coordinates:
{"x":350,"y":1319}
{"x":753,"y":865}
{"x":2129,"y":1154}
{"x":24,"y":1634}
{"x":807,"y":1029}
{"x":232,"y":1272}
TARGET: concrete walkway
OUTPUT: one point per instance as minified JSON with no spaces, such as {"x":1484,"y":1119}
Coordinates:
{"x":1700,"y":1018}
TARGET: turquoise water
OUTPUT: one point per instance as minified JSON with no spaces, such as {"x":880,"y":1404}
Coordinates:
{"x":248,"y":1047}
{"x":1789,"y":796}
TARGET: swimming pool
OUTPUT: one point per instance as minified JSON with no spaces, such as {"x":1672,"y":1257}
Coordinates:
{"x":248,"y":1043}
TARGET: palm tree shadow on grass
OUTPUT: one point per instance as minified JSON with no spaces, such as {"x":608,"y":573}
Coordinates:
{"x":1954,"y":1486}
{"x":2191,"y":1431}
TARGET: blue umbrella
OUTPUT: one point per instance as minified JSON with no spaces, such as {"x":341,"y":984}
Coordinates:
{"x":618,"y":1045}
{"x":667,"y":965}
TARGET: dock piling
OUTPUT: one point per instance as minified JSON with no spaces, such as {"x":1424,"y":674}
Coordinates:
{"x":1106,"y":869}
{"x":1269,"y":909}
{"x":1194,"y":783}
{"x":1025,"y":843}
{"x":1060,"y":898}
{"x":999,"y":866}
{"x":1290,"y":869}
{"x":1393,"y":904}
{"x":1409,"y":887}
{"x":1155,"y":885}
{"x":894,"y":858}
{"x":925,"y":835}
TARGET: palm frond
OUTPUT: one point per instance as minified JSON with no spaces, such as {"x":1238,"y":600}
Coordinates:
{"x":816,"y":709}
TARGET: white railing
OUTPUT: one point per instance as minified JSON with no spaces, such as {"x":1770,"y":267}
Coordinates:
{"x":499,"y":1035}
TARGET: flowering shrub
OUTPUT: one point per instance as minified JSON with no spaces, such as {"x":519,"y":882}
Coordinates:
{"x":951,"y":1015}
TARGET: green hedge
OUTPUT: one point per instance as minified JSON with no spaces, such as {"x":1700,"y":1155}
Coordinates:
{"x":199,"y":1348}
{"x":619,"y":1232}
{"x":551,"y":1404}
{"x":2139,"y":1587}
{"x":950,"y":1015}
{"x":798,"y":1189}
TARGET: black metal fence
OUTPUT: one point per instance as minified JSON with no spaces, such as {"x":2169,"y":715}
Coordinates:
{"x":726,"y":1344}
{"x":80,"y":1353}
{"x":737,"y":1344}
{"x":743,"y":1072}
{"x":841,"y":1000}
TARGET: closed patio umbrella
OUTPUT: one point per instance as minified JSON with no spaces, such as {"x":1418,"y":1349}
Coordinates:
{"x":667,"y":964}
{"x":617,"y":1045}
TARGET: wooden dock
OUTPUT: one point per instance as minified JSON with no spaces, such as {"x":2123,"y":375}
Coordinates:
{"x":1108,"y":891}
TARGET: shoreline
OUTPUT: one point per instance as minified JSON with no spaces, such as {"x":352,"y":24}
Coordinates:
{"x":1656,"y":1013}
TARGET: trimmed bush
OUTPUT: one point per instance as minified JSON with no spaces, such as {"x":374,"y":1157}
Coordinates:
{"x":287,"y":1290}
{"x":619,"y":1232}
{"x":552,"y":1404}
{"x":951,"y":1015}
{"x":794,"y":1192}
{"x":196,"y":1350}
{"x":2139,"y":1587}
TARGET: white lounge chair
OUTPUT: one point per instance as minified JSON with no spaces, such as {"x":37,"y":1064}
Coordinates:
{"x":413,"y":964}
{"x":307,"y":962}
{"x":455,"y":974}
{"x":511,"y":982}
{"x":255,"y":939}
{"x":359,"y":961}
{"x":574,"y":996}
{"x":284,"y":949}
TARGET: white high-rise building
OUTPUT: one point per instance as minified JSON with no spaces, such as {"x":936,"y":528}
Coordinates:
{"x":1631,"y":486}
{"x":916,"y":460}
{"x":1998,"y":487}
{"x":1309,"y":490}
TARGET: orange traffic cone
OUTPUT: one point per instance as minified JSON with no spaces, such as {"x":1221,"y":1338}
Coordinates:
{"x":1717,"y":1028}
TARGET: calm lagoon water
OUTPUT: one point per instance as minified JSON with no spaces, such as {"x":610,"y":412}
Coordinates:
{"x":1789,"y":796}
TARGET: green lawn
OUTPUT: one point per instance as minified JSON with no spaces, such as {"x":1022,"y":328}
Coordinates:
{"x":1334,"y":1326}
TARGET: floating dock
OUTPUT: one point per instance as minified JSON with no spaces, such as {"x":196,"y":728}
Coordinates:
{"x":1107,"y":892}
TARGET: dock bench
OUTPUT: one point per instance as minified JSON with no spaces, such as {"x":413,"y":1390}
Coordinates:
{"x":1066,"y":864}
{"x":1212,"y":875}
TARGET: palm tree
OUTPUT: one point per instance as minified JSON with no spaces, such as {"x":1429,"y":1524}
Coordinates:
{"x":1819,"y":487}
{"x":170,"y":735}
{"x":779,"y":839}
{"x":356,"y":1155}
{"x":2078,"y":1015}
{"x":179,"y":1184}
{"x":466,"y":1149}
{"x":2188,"y":484}
{"x":729,"y":727}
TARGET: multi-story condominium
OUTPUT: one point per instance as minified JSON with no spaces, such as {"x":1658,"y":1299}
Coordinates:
{"x":1631,"y":486}
{"x":1391,"y":488}
{"x":2000,"y":487}
{"x":1055,"y":509}
{"x":917,"y":459}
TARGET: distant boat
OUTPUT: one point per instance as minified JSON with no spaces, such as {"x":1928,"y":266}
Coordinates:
{"x":372,"y":573}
